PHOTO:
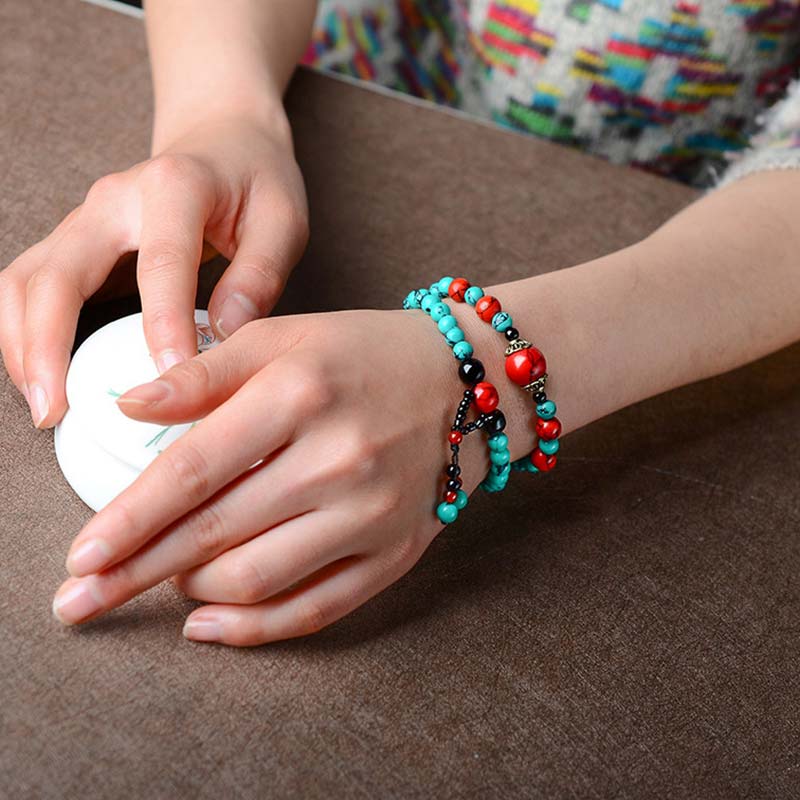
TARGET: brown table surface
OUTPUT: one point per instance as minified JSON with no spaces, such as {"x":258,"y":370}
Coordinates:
{"x":624,"y":627}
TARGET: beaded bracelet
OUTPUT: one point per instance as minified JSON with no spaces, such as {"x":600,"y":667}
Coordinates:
{"x":525,"y":365}
{"x":482,"y":394}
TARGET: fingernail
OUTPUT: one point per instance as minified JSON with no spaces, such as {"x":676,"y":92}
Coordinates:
{"x":75,"y":603}
{"x":168,"y":359}
{"x":25,"y":393}
{"x":203,"y":629}
{"x":236,"y":311}
{"x":40,"y":405}
{"x":146,"y":394}
{"x":89,"y":557}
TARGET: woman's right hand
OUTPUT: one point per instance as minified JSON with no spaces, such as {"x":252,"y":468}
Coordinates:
{"x":230,"y":181}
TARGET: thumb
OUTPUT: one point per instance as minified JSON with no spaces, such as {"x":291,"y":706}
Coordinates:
{"x":193,"y":389}
{"x":274,"y":236}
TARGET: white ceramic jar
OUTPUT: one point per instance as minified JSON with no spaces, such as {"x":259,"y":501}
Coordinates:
{"x":99,"y":449}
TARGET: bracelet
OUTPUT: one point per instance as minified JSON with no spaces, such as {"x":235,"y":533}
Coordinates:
{"x":525,"y":365}
{"x":480,"y":393}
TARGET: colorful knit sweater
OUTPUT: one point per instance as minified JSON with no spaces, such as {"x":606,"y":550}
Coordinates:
{"x":677,"y":88}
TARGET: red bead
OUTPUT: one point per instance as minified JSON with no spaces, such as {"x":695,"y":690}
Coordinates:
{"x":455,"y":437}
{"x":457,"y":288}
{"x":450,"y":497}
{"x":548,"y":428}
{"x":542,"y":461}
{"x":486,"y":397}
{"x":525,"y":366}
{"x":487,"y":307}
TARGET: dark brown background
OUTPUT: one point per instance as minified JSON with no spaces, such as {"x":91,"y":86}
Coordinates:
{"x":624,"y":627}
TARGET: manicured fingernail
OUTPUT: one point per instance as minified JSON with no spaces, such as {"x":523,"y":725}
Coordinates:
{"x":203,"y":629}
{"x":40,"y":405}
{"x":167,"y":360}
{"x":236,"y":311}
{"x":146,"y":394}
{"x":91,"y":556}
{"x":75,"y":603}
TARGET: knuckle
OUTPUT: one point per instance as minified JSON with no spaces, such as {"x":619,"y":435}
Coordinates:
{"x":207,"y":533}
{"x":405,"y":553}
{"x":104,"y":188}
{"x":266,"y":270}
{"x":294,"y":220}
{"x":160,"y":255}
{"x":247,"y":581}
{"x":41,"y":280}
{"x":168,"y":169}
{"x":310,"y":391}
{"x":189,"y":470}
{"x":311,"y":616}
{"x":358,"y":454}
{"x":388,"y":503}
{"x":193,"y":374}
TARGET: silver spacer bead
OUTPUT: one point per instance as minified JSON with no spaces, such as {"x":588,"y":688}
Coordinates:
{"x":518,"y":344}
{"x":536,"y":385}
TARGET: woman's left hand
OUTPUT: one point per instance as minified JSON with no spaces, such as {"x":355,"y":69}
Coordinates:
{"x":309,"y":486}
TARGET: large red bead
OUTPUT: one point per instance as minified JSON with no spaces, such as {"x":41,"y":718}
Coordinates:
{"x":542,"y":461}
{"x":525,"y":366}
{"x":457,"y":288}
{"x":487,"y":307}
{"x":486,"y":397}
{"x":548,"y":428}
{"x":455,"y":437}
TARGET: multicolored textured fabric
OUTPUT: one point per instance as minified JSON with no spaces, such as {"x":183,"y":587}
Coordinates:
{"x":672,"y":87}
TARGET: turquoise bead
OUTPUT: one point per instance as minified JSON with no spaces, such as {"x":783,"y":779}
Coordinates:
{"x":473,"y":294}
{"x":461,"y":499}
{"x":549,"y":446}
{"x":502,"y":321}
{"x":462,"y":350}
{"x":546,"y":410}
{"x":439,"y":310}
{"x":427,"y":302}
{"x":447,"y":323}
{"x":499,"y":442}
{"x":411,"y":301}
{"x":499,"y":457}
{"x":434,"y":290}
{"x":447,"y":512}
{"x":444,"y":285}
{"x":455,"y":335}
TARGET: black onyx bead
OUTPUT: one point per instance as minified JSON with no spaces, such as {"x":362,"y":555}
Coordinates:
{"x":469,"y":396}
{"x":539,"y":398}
{"x":471,"y":371}
{"x":454,"y":485}
{"x":453,"y":471}
{"x":512,"y":334}
{"x":495,"y":422}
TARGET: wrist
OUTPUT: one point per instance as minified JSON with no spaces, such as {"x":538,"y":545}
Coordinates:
{"x":262,"y":108}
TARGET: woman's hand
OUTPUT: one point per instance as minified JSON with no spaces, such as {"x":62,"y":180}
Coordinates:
{"x":232,"y":181}
{"x":345,"y":417}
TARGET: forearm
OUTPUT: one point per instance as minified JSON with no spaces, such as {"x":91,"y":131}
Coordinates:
{"x":221,"y":57}
{"x":714,"y":288}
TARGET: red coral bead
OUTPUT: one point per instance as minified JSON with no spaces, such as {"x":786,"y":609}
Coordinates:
{"x":486,"y":397}
{"x":450,"y":497}
{"x":457,"y":288}
{"x":542,"y":461}
{"x":487,"y":307}
{"x":548,"y":428}
{"x":525,"y":366}
{"x":455,"y":437}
